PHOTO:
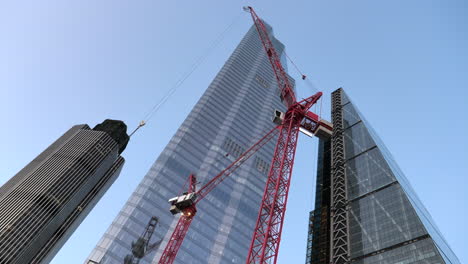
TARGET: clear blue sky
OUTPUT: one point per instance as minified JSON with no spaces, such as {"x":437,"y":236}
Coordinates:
{"x":404,"y":63}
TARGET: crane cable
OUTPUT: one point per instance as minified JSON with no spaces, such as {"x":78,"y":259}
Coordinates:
{"x":309,"y":83}
{"x":303,"y":76}
{"x":198,"y":61}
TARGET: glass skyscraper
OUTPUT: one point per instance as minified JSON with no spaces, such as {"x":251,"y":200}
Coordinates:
{"x":235,"y":111}
{"x":365,"y":210}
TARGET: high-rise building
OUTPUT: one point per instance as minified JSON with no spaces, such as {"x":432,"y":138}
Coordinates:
{"x":235,"y":111}
{"x":44,"y":203}
{"x":365,"y":209}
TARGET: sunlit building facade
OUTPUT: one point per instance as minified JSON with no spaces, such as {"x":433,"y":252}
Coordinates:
{"x":235,"y":111}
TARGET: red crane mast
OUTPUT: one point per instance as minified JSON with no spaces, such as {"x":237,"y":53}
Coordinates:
{"x":265,"y":242}
{"x":287,"y":91}
{"x":266,"y":239}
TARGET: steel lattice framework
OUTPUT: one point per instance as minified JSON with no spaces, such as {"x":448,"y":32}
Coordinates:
{"x":266,"y":239}
{"x":339,"y":211}
{"x":285,"y":87}
{"x":181,"y":228}
{"x":189,"y":212}
{"x":267,"y":235}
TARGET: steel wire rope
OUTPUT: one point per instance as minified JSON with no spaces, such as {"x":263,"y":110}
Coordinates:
{"x":186,"y":182}
{"x":304,"y":77}
{"x":197,"y":62}
{"x":309,"y":84}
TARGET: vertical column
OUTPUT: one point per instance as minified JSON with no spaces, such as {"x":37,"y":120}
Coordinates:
{"x":309,"y":238}
{"x":339,"y":215}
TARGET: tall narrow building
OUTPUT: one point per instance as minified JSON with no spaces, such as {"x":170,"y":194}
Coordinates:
{"x":235,"y":111}
{"x":43,"y":204}
{"x":365,"y":209}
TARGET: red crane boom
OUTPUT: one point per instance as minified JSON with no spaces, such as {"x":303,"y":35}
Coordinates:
{"x":287,"y":92}
{"x":266,"y":239}
{"x":186,"y":204}
{"x":267,"y":234}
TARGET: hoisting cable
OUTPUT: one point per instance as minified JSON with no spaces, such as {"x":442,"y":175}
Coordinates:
{"x":303,"y":76}
{"x":142,"y":123}
{"x":199,"y":60}
{"x":309,"y":83}
{"x":183,"y":187}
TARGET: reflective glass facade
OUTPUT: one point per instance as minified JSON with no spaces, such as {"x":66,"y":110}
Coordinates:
{"x":318,"y":239}
{"x":235,"y":111}
{"x":387,"y":223}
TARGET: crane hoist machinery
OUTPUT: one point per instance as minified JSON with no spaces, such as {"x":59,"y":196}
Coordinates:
{"x":266,"y":237}
{"x":142,"y":246}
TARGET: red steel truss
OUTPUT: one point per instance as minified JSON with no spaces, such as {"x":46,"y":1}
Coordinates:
{"x":181,"y":228}
{"x":267,"y":234}
{"x":287,"y":92}
{"x":189,"y":212}
{"x":266,"y":239}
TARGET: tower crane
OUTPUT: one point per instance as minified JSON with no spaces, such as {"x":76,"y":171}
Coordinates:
{"x":264,"y":246}
{"x":186,"y":203}
{"x":265,"y":242}
{"x":141,"y":247}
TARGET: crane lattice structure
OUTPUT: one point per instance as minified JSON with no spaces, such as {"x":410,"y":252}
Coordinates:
{"x":266,"y":239}
{"x":142,"y":247}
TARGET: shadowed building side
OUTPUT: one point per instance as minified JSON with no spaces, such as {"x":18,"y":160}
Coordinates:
{"x":373,"y":214}
{"x":318,"y":240}
{"x":44,"y":203}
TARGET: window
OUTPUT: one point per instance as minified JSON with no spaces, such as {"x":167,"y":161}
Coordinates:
{"x":261,"y":81}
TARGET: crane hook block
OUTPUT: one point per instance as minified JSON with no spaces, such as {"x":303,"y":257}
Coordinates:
{"x":179,"y":203}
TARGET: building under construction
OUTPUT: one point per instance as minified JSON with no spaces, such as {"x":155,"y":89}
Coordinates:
{"x":365,"y":209}
{"x":366,"y":212}
{"x":234,"y":112}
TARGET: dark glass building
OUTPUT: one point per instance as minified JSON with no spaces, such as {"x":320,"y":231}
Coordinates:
{"x":365,"y":209}
{"x":234,"y":112}
{"x":43,"y":204}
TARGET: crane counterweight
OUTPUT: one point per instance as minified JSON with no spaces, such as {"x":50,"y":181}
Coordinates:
{"x":180,"y":203}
